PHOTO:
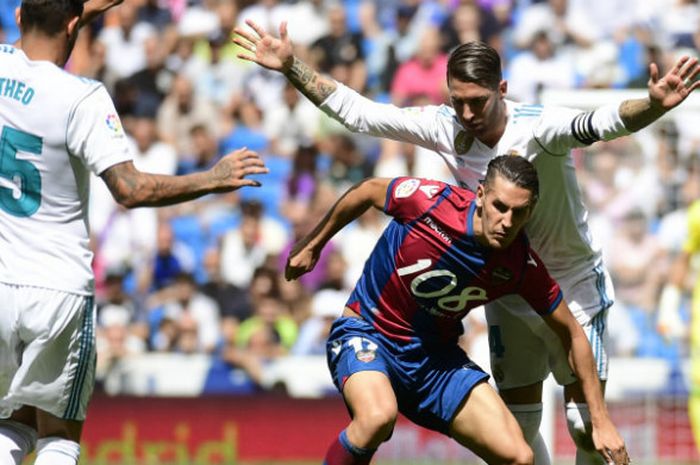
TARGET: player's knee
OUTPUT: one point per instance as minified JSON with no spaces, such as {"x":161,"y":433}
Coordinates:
{"x":519,"y":454}
{"x":377,"y":421}
{"x":578,"y":420}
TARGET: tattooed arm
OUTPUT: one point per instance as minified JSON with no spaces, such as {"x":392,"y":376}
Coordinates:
{"x":133,"y":188}
{"x":664,"y":94}
{"x":277,"y":54}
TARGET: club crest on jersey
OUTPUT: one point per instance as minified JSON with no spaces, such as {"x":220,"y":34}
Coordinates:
{"x":366,"y":356}
{"x":501,"y":275}
{"x":406,"y":188}
{"x":463,"y":142}
{"x":430,"y":191}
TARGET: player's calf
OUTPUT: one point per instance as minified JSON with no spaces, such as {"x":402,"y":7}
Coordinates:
{"x":578,"y":420}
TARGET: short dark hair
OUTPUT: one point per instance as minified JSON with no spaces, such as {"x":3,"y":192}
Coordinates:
{"x":475,"y":62}
{"x":515,"y":169}
{"x":49,"y":16}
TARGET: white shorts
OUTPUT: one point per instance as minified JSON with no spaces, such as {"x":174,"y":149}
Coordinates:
{"x":47,"y":350}
{"x":524,"y":350}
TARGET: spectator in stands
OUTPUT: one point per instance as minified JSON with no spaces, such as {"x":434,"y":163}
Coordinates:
{"x":424,"y":74}
{"x":194,"y":316}
{"x":635,"y":265}
{"x":314,"y":331}
{"x":181,"y":111}
{"x":540,"y":67}
{"x":205,"y":151}
{"x":171,"y":260}
{"x":287,"y":124}
{"x":340,"y":53}
{"x":265,"y":336}
{"x":233,"y":302}
{"x":216,"y":77}
{"x":348,"y":165}
{"x":246,"y":248}
{"x":124,"y":42}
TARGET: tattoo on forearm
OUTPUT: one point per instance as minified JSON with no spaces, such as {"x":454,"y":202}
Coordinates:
{"x":309,"y":82}
{"x":638,"y":113}
{"x":135,"y":189}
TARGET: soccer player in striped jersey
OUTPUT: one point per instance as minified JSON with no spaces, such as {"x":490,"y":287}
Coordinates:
{"x":479,"y":124}
{"x":395,"y":347}
{"x":56,"y":128}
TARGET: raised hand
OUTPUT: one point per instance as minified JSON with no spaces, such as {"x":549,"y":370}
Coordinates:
{"x":669,"y":91}
{"x":230,"y":172}
{"x":264,"y":48}
{"x":94,"y":8}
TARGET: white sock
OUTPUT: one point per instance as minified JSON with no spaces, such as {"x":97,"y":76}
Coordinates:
{"x":529,"y":417}
{"x":56,"y":451}
{"x":578,"y":420}
{"x":16,"y":441}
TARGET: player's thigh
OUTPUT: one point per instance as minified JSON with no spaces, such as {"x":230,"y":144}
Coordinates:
{"x":360,"y":367}
{"x":485,"y":425}
{"x":518,"y":355}
{"x":370,"y":397}
{"x":56,"y":373}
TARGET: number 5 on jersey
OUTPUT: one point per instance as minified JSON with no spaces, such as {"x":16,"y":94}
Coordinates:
{"x":20,"y":172}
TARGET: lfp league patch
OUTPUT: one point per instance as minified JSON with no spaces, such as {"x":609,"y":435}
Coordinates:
{"x":406,"y":188}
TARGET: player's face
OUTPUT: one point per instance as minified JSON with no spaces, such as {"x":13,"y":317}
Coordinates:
{"x":479,"y":109}
{"x":505,"y":208}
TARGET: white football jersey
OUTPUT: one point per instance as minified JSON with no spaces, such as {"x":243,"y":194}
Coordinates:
{"x":544,"y":135}
{"x":54,"y":129}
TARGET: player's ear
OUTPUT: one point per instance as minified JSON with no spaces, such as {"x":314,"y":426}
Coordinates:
{"x":480,"y":193}
{"x":18,"y":17}
{"x":72,"y":25}
{"x":503,"y":88}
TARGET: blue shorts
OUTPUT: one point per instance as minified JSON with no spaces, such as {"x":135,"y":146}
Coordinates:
{"x":430,"y":385}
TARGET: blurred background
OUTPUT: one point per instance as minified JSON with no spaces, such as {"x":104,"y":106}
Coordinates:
{"x":207,"y":355}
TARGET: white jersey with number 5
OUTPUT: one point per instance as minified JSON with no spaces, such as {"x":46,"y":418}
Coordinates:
{"x":544,"y":135}
{"x":54,"y":129}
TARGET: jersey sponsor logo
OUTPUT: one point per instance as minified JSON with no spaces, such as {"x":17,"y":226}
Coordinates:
{"x":365,"y":349}
{"x":366,"y":356}
{"x":443,"y":235}
{"x":113,"y":123}
{"x":406,"y":188}
{"x":463,"y":142}
{"x":429,"y":191}
{"x":501,"y":275}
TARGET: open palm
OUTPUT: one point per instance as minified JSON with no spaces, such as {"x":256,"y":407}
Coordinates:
{"x":676,"y":85}
{"x":263,"y":48}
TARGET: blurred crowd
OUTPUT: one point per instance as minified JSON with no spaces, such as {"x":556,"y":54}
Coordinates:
{"x":206,"y":277}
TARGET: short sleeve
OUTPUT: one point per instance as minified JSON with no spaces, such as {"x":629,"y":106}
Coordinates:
{"x":95,"y":133}
{"x":409,"y":198}
{"x":538,"y":288}
{"x":692,"y":241}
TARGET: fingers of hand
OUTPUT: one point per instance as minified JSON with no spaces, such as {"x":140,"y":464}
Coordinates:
{"x":258,"y":30}
{"x":679,"y":64}
{"x":689,"y":69}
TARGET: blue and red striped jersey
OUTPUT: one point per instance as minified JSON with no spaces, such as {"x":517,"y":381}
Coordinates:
{"x":428,"y":270}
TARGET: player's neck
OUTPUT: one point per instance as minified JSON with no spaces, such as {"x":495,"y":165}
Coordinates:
{"x":492,"y":137}
{"x":39,"y":47}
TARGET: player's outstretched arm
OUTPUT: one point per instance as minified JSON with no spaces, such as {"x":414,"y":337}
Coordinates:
{"x":133,"y":188}
{"x":353,"y":203}
{"x":277,"y":54}
{"x":665,"y":93}
{"x":606,"y":439}
{"x":95,"y":8}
